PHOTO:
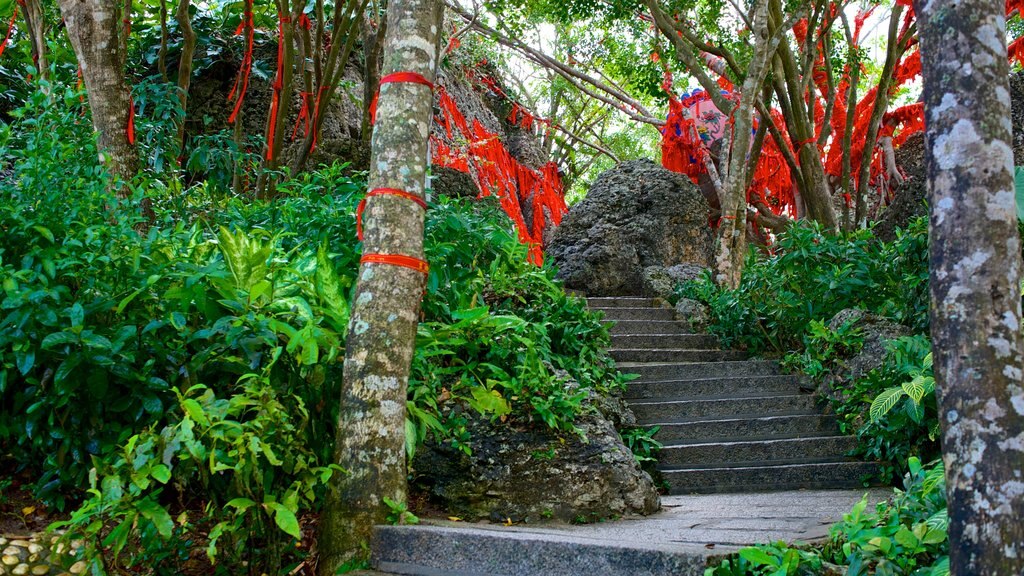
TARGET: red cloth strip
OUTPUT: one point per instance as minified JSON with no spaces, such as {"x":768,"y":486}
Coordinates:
{"x":409,"y":262}
{"x":131,"y":120}
{"x":408,"y":77}
{"x":383,"y":192}
{"x":394,"y":78}
{"x":10,"y":29}
{"x":248,"y":26}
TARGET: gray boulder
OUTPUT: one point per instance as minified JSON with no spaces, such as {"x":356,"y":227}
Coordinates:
{"x":535,"y":473}
{"x":636,"y":215}
{"x":695,"y":315}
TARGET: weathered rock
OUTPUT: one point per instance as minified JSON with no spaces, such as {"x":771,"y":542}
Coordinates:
{"x":657,"y":282}
{"x":452,"y":183}
{"x":537,"y":473}
{"x":636,"y":215}
{"x":876,"y":331}
{"x":695,"y":315}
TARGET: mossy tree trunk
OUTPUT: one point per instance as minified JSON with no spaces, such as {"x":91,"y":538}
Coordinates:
{"x":370,"y":442}
{"x":94,"y":28}
{"x":975,"y":281}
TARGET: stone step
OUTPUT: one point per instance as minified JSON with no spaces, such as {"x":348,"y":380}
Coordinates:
{"x":621,"y":302}
{"x":647,"y":327}
{"x":674,"y":355}
{"x":741,"y":385}
{"x":665,"y":341}
{"x":755,"y":452}
{"x":649,"y":371}
{"x":464,"y":551}
{"x":769,"y":478}
{"x":681,"y":410}
{"x":725,"y":429}
{"x":616,"y":314}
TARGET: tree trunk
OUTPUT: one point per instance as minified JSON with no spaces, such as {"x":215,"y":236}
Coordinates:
{"x":36,"y":25}
{"x":188,"y":48}
{"x":732,"y":237}
{"x":382,"y":331}
{"x":975,"y":266}
{"x":94,"y":30}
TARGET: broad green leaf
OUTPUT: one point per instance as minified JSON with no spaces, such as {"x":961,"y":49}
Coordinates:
{"x":241,"y":504}
{"x":157,"y":515}
{"x":885,"y":402}
{"x":161,"y":473}
{"x":195,"y":411}
{"x":285,"y":519}
{"x":914,"y":389}
{"x":758,"y":557}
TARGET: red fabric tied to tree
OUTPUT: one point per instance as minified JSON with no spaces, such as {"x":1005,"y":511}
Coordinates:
{"x":247,"y":26}
{"x":496,"y":172}
{"x":1016,"y":51}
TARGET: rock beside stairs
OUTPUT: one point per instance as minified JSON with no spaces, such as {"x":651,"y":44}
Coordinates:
{"x":728,"y":424}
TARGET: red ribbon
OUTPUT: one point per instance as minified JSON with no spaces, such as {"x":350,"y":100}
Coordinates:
{"x":397,"y":77}
{"x":10,"y":29}
{"x":243,"y":72}
{"x":275,"y":102}
{"x":383,"y":192}
{"x":131,"y":120}
{"x":303,"y":114}
{"x":400,"y":260}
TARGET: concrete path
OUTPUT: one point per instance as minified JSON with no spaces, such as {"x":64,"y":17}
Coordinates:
{"x":675,"y":541}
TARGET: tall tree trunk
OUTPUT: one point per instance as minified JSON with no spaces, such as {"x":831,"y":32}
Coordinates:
{"x":36,"y":24}
{"x":732,"y":236}
{"x":892,"y":57}
{"x":382,"y":330}
{"x":975,"y":281}
{"x":188,"y":49}
{"x":94,"y":29}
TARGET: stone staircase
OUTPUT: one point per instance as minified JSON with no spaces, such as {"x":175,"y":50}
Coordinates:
{"x":728,"y":424}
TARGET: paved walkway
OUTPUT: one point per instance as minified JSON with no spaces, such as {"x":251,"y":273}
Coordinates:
{"x":719,"y":519}
{"x":675,"y":541}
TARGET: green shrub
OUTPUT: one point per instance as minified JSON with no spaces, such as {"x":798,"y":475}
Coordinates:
{"x":893,"y":408}
{"x":906,"y":535}
{"x":811,"y":276}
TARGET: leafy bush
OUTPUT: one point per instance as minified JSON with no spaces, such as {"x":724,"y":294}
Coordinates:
{"x":893,"y":408}
{"x":811,"y":276}
{"x":906,"y":535}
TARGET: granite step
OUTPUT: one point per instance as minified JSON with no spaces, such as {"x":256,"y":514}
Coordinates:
{"x":674,"y":355}
{"x":620,"y":313}
{"x":741,"y":385}
{"x":647,"y":327}
{"x":769,"y":477}
{"x":731,"y":429}
{"x":755,"y":452}
{"x":426,"y":550}
{"x":648,"y":413}
{"x":622,"y":302}
{"x":649,"y":371}
{"x":665,"y":341}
